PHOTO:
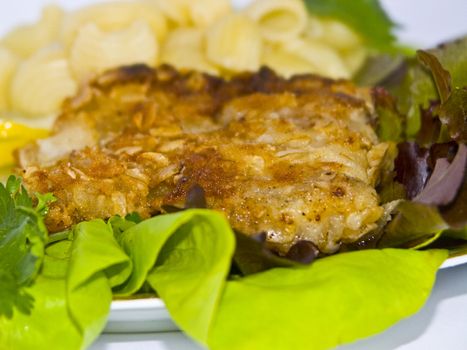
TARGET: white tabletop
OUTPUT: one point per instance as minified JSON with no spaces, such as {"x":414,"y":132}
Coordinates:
{"x":440,"y":325}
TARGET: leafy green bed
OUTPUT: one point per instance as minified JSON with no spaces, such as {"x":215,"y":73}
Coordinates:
{"x":186,"y":258}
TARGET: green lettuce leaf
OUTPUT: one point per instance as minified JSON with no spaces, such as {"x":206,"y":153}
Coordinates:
{"x":382,"y":69}
{"x":453,"y":57}
{"x":414,"y":224}
{"x":390,"y":124}
{"x":186,"y":258}
{"x":192,"y":269}
{"x":459,"y":234}
{"x":143,"y":243}
{"x":336,"y":300}
{"x":453,"y":112}
{"x":366,"y":17}
{"x":97,"y":263}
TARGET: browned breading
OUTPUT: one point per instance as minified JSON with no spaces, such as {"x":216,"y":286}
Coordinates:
{"x":295,"y":158}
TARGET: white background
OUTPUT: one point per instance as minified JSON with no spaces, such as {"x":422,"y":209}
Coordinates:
{"x":442,"y":324}
{"x":422,"y":22}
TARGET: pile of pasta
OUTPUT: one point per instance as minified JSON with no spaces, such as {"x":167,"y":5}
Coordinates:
{"x":43,"y":63}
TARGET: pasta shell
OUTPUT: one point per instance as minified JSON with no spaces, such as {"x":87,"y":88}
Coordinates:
{"x":205,"y":12}
{"x":286,"y":63}
{"x":314,"y":28}
{"x":175,"y":10}
{"x":279,"y":20}
{"x":26,"y":40}
{"x":114,"y":16}
{"x":8,"y":64}
{"x":338,"y":35}
{"x":41,"y":83}
{"x":326,"y":59}
{"x":234,"y":43}
{"x":354,"y":58}
{"x":95,"y":51}
{"x":183,"y":48}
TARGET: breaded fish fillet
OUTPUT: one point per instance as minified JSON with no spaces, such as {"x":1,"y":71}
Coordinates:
{"x":296,"y":159}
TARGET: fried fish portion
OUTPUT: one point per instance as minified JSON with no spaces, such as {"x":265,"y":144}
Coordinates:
{"x":296,"y":159}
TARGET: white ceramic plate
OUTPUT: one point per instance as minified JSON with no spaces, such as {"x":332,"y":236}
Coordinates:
{"x":139,"y":316}
{"x":151,"y":315}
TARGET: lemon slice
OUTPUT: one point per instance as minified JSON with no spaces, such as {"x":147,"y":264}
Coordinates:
{"x":13,"y":136}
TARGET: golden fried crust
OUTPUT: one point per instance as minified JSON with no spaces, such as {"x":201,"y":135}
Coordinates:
{"x":293,"y":158}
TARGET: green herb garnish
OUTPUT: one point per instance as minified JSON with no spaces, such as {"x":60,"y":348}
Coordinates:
{"x":22,"y":240}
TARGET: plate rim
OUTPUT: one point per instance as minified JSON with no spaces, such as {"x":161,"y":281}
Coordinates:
{"x":137,"y":304}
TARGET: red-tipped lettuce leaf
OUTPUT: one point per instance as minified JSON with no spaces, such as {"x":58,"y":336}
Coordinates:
{"x":445,"y":181}
{"x":430,"y":126}
{"x":411,"y":167}
{"x":441,"y":76}
{"x":424,"y":218}
{"x":253,"y":256}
